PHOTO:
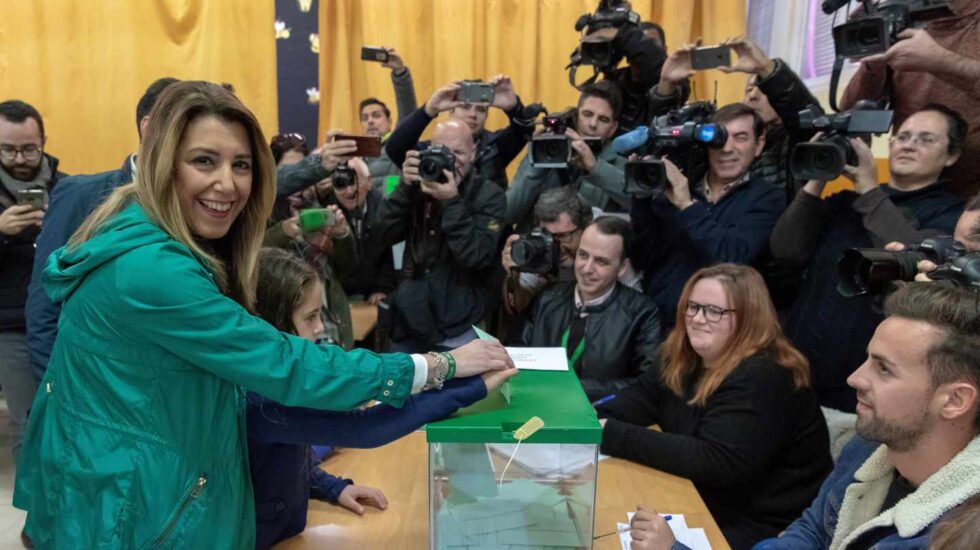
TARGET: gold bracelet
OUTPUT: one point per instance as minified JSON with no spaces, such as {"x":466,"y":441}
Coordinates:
{"x":441,"y":369}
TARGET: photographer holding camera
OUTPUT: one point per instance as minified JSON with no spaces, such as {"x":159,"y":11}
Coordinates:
{"x":721,"y":215}
{"x":828,"y":328}
{"x":967,"y":233}
{"x":494,"y":150}
{"x":615,"y":32}
{"x":778,"y":95}
{"x":547,"y":253}
{"x":936,"y":64}
{"x":597,"y":177}
{"x":375,"y":116}
{"x":373,"y":277}
{"x":610,"y":332}
{"x":450,"y":218}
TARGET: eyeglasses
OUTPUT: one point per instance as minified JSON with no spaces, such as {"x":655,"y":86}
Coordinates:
{"x":712,"y":314}
{"x":905,"y":138}
{"x":566,"y":236}
{"x":31,"y":152}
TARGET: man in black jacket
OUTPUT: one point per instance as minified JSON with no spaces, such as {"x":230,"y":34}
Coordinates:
{"x":451,"y":230}
{"x":24,"y":168}
{"x":831,"y":330}
{"x":610,"y":333}
{"x":494,"y":150}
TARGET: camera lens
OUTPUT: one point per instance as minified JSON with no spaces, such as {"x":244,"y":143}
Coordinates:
{"x":523,"y":252}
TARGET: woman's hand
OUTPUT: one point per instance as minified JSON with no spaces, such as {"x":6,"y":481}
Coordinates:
{"x":480,"y":356}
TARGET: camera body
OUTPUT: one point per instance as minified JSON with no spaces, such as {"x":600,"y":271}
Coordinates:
{"x":825,"y":159}
{"x":552,"y":148}
{"x":877,"y":30}
{"x":871,"y":271}
{"x":536,"y":252}
{"x":682,"y":135}
{"x":475,"y":91}
{"x":343,"y":176}
{"x":433,"y":161}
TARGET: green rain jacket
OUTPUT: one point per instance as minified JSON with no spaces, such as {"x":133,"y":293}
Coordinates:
{"x":137,"y":435}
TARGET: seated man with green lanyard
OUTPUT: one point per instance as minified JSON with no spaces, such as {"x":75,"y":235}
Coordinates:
{"x":611,"y":333}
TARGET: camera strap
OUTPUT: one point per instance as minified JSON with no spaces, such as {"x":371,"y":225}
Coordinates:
{"x":573,"y":68}
{"x":886,"y":92}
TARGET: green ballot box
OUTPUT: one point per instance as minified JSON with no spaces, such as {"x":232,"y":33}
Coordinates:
{"x":487,"y":489}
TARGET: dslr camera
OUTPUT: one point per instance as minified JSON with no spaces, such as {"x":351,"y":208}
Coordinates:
{"x":433,"y":161}
{"x":871,"y":271}
{"x":825,"y":159}
{"x":536,"y":252}
{"x":680,"y":134}
{"x":552,"y":148}
{"x":475,"y":91}
{"x":878,"y":27}
{"x":343,"y":176}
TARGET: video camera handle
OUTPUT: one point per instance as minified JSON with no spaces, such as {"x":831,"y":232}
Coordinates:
{"x":886,"y":95}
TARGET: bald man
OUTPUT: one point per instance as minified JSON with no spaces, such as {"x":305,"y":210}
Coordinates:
{"x":451,"y":229}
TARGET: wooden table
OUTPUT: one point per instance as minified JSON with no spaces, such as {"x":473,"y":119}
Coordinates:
{"x":363,"y":318}
{"x":400,"y":469}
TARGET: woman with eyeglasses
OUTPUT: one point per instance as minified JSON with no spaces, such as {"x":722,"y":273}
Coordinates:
{"x":736,"y":412}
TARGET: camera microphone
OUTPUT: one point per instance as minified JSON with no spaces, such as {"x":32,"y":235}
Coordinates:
{"x":631,"y":140}
{"x":830,"y":6}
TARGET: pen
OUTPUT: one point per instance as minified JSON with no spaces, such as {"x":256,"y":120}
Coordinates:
{"x":603,"y":400}
{"x":626,"y":528}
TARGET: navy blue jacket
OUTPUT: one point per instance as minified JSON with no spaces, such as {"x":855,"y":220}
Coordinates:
{"x":833,"y":331}
{"x":71,"y":202}
{"x":279,"y":439}
{"x":17,"y":258}
{"x":672,"y":244}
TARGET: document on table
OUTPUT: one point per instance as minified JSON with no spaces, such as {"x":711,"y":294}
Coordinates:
{"x":695,"y":539}
{"x":539,"y":358}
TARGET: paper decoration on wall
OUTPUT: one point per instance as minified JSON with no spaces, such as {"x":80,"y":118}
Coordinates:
{"x":304,"y":5}
{"x":315,"y":43}
{"x":282,"y":31}
{"x":313,"y":95}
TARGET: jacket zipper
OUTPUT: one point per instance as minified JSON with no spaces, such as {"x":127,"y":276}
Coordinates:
{"x":191,"y":496}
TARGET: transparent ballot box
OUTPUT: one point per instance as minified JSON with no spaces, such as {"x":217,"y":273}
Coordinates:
{"x":488,"y":491}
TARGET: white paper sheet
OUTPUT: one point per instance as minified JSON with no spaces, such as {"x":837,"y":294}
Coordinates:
{"x":552,"y":359}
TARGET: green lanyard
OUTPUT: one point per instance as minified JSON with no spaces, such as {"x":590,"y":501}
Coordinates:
{"x":579,"y":349}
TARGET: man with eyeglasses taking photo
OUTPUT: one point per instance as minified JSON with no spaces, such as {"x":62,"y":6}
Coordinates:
{"x":27,"y":175}
{"x":912,"y":205}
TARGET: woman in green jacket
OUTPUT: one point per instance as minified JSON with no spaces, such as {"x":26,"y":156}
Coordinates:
{"x":137,"y":436}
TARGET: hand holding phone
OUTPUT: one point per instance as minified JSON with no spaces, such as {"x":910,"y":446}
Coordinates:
{"x":312,"y":220}
{"x":36,"y":198}
{"x":367,"y":146}
{"x":711,"y":57}
{"x":374,"y":53}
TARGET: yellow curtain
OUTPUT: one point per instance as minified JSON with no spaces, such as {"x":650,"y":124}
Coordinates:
{"x":85,"y":64}
{"x":530,"y":40}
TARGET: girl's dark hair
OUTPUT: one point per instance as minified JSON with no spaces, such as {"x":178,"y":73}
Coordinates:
{"x":282,"y":280}
{"x":283,"y":143}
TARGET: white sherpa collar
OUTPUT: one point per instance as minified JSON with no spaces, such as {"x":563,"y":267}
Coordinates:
{"x":944,"y":490}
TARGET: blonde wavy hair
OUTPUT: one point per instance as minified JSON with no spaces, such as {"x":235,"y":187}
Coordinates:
{"x":233,"y":257}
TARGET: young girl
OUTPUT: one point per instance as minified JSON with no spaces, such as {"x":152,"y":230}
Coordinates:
{"x":279,"y":437}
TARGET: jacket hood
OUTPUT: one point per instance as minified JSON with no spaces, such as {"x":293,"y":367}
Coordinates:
{"x":124,"y":232}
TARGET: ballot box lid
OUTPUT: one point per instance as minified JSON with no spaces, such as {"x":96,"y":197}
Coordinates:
{"x":556,"y":398}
